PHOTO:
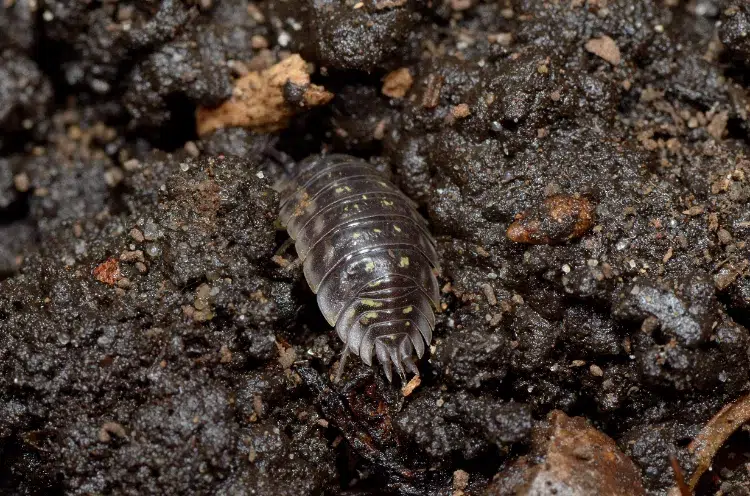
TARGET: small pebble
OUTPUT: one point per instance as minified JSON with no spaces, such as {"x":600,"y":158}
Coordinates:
{"x":595,"y":370}
{"x":192,"y":149}
{"x":460,"y":480}
{"x":21,"y":182}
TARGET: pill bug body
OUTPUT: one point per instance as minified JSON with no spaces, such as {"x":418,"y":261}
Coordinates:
{"x":367,"y":254}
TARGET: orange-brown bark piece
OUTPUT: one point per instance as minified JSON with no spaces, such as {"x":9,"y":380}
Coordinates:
{"x":411,"y":385}
{"x":558,"y":219}
{"x":258,"y":101}
{"x":108,"y":271}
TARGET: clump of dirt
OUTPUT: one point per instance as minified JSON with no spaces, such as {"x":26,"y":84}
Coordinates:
{"x":583,"y":165}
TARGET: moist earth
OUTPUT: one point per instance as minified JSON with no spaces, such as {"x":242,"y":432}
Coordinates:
{"x":583,"y":165}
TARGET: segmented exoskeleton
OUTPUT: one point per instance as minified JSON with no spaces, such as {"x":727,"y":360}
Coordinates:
{"x":367,"y":254}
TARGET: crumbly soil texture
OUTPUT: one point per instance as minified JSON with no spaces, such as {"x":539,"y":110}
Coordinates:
{"x":584,"y":166}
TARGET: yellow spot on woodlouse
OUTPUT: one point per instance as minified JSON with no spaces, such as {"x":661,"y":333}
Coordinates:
{"x":407,"y":324}
{"x":396,"y":228}
{"x":364,"y":197}
{"x":375,"y":284}
{"x":371,"y":315}
{"x":408,"y":309}
{"x":356,"y":235}
{"x":372,"y":303}
{"x":370,"y":266}
{"x":339,"y":190}
{"x":387,"y":203}
{"x":356,"y":206}
{"x":376,"y":230}
{"x":404,"y":262}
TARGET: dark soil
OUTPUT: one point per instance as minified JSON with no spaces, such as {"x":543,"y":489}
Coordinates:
{"x":150,"y":345}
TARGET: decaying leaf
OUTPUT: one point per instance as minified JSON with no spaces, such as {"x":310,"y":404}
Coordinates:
{"x":570,"y":457}
{"x":261,"y":99}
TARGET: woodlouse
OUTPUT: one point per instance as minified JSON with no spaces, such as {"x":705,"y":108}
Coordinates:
{"x":367,"y":254}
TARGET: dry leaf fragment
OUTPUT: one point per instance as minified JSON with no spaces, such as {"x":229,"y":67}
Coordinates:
{"x":605,"y":48}
{"x":258,"y":101}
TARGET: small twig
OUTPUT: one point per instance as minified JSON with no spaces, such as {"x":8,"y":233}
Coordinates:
{"x":678,"y":476}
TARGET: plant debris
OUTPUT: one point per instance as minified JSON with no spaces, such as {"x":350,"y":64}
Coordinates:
{"x":258,"y":100}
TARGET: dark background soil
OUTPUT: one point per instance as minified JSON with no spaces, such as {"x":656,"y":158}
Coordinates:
{"x":204,"y":367}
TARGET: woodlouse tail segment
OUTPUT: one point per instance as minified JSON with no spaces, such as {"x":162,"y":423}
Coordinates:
{"x":396,"y":351}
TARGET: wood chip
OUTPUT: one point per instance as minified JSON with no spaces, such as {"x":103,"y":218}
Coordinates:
{"x":718,"y":125}
{"x":668,"y":255}
{"x":287,"y":355}
{"x":461,"y":111}
{"x":504,"y":39}
{"x":411,"y":385}
{"x":595,"y":370}
{"x":397,"y":83}
{"x":605,"y":48}
{"x":431,"y":96}
{"x":693,"y":211}
{"x":258,"y":101}
{"x":460,"y":4}
{"x":388,"y":4}
{"x":489,"y":293}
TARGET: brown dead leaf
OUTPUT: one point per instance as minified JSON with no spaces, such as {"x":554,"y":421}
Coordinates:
{"x":258,"y":101}
{"x":569,"y":456}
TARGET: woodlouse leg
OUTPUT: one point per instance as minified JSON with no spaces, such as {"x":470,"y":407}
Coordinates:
{"x":284,"y":247}
{"x":342,"y":364}
{"x":410,"y":365}
{"x":293,"y":266}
